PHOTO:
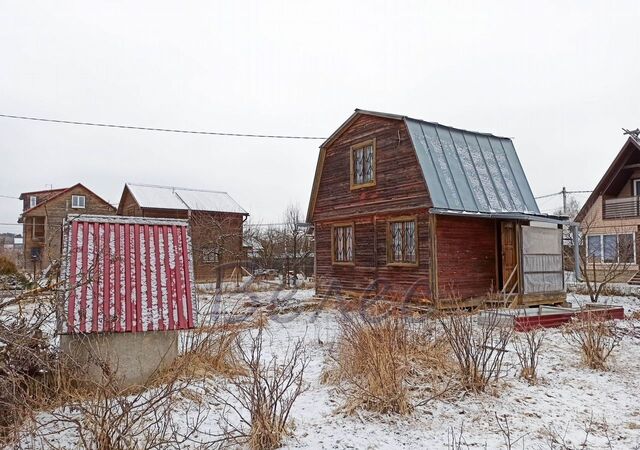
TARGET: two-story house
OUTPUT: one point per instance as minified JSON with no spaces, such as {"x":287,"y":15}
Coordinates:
{"x":413,"y":210}
{"x":610,"y":218}
{"x":43,"y":214}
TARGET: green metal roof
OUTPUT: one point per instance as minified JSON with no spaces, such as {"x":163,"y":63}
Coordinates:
{"x":469,"y":171}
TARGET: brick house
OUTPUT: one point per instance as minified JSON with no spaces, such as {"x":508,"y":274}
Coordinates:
{"x":43,"y":214}
{"x":216,"y":222}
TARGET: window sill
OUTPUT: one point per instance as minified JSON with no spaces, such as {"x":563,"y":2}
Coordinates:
{"x":402,"y":264}
{"x":355,"y":187}
{"x":345,"y":263}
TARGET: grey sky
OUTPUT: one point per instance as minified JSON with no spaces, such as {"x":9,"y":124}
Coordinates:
{"x":559,"y":77}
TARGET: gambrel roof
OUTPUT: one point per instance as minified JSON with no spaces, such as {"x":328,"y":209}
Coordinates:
{"x":465,"y":171}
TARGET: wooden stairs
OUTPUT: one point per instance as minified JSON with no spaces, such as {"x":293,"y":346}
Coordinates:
{"x":635,"y":279}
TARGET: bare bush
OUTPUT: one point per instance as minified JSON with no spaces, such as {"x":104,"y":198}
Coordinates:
{"x":263,"y":396}
{"x":596,"y":339}
{"x":527,"y":346}
{"x":478,"y":345}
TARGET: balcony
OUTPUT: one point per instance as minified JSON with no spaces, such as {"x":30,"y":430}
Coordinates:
{"x":621,"y":208}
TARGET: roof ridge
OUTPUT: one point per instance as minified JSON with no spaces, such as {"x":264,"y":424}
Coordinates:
{"x":175,"y":187}
{"x":405,"y":117}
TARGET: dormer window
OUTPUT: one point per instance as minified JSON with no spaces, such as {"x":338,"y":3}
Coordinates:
{"x":78,"y":201}
{"x":33,"y":201}
{"x":363,"y":164}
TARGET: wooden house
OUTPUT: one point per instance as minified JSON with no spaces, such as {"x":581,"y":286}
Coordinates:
{"x":610,"y":218}
{"x":216,"y":222}
{"x":43,"y":214}
{"x":413,"y":210}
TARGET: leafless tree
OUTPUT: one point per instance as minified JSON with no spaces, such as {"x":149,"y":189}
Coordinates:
{"x":605,"y":256}
{"x":296,"y":239}
{"x":217,"y":241}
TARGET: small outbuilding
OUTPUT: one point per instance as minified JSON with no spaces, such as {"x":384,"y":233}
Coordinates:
{"x":127,"y":290}
{"x":408,"y":209}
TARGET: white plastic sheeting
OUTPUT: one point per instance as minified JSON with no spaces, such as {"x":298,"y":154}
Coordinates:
{"x":542,"y":259}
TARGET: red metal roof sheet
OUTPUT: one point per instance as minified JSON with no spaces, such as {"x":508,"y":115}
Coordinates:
{"x":125,"y":274}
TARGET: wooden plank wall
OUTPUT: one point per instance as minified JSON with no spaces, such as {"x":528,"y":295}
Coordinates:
{"x":467,"y":265}
{"x":399,"y":191}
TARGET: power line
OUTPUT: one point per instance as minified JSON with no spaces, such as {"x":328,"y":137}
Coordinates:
{"x":8,"y":196}
{"x":165,"y":130}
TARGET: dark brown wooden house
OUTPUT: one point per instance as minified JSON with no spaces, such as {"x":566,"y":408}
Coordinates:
{"x":414,"y":210}
{"x":216,"y":221}
{"x":43,"y":214}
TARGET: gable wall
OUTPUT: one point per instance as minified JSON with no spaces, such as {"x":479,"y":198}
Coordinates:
{"x":55,"y":211}
{"x":399,"y":191}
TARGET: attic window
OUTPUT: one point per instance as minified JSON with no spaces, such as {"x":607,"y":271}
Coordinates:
{"x":33,"y":201}
{"x":363,"y":164}
{"x":78,"y":201}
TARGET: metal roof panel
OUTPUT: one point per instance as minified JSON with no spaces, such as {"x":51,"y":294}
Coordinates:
{"x":469,"y":171}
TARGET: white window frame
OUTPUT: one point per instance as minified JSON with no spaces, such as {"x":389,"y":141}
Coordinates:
{"x":33,"y":201}
{"x":601,"y":236}
{"x":76,"y":205}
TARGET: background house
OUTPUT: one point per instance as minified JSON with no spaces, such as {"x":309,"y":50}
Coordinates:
{"x":415,"y":210}
{"x":43,"y":215}
{"x":216,"y":222}
{"x":610,"y":218}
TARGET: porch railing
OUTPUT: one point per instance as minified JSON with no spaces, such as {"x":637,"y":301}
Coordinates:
{"x":621,"y":208}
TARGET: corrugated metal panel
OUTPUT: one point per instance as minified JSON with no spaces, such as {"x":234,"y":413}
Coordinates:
{"x":467,"y":171}
{"x":127,"y":275}
{"x":167,"y":197}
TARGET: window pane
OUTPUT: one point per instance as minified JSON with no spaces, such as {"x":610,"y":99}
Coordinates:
{"x":396,"y":241}
{"x":594,"y":247}
{"x":625,"y":248}
{"x":368,"y":163}
{"x":358,"y":156}
{"x":410,"y":241}
{"x":610,"y":243}
{"x":343,"y":241}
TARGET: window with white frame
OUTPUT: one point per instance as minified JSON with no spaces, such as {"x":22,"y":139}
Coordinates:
{"x":612,"y":248}
{"x":343,"y":244}
{"x":33,"y":201}
{"x":77,"y":201}
{"x":363,"y":164}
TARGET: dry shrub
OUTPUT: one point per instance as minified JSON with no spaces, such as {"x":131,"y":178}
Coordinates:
{"x":263,"y":396}
{"x":527,"y":346}
{"x":596,"y":338}
{"x":478,"y":344}
{"x":380,"y":360}
{"x":372,"y":359}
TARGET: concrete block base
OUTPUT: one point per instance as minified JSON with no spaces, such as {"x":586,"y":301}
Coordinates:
{"x":133,"y":357}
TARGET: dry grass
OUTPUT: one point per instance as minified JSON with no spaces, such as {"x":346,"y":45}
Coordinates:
{"x":597,"y":339}
{"x":383,"y":361}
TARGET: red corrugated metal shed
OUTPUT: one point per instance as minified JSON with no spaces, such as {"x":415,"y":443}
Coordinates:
{"x":127,"y":274}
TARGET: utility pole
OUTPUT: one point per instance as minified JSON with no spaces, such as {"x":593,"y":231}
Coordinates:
{"x":564,"y":200}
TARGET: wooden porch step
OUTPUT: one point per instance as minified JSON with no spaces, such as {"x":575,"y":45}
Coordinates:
{"x":635,"y":279}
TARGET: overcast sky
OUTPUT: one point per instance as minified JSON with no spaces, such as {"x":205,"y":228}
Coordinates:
{"x":561,"y":78}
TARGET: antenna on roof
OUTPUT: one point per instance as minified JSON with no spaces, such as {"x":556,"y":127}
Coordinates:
{"x":635,"y":134}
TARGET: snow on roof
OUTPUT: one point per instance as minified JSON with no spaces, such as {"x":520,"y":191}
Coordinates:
{"x":469,"y":171}
{"x":169,"y":197}
{"x":126,"y":274}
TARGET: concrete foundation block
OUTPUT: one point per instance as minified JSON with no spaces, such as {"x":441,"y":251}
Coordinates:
{"x":133,"y":357}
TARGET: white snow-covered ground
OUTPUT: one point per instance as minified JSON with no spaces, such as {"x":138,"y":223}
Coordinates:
{"x":571,"y":407}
